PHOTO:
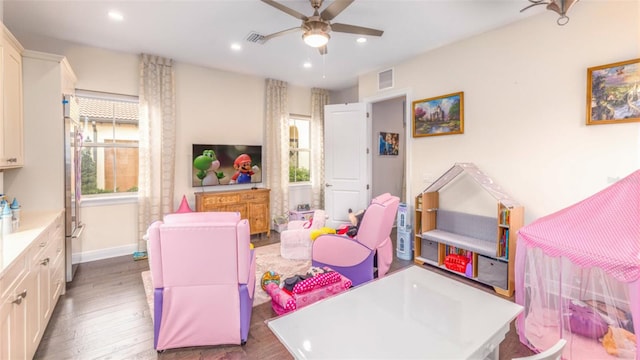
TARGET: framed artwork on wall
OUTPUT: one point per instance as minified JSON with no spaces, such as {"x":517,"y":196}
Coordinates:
{"x":389,"y":143}
{"x":613,"y":93}
{"x":441,"y":115}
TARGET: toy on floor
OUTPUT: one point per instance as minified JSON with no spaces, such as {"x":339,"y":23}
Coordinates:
{"x":269,"y":277}
{"x":139,"y":255}
{"x":619,"y":342}
{"x":301,"y":290}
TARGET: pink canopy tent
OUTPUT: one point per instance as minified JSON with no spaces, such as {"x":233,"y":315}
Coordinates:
{"x":577,"y":274}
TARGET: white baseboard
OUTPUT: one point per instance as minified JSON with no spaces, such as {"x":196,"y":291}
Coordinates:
{"x":103,"y":253}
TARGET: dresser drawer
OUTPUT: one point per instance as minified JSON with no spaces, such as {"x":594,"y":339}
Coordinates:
{"x":255,"y":196}
{"x":220,"y":200}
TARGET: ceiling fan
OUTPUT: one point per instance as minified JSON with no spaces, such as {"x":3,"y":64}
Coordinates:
{"x":316,"y":28}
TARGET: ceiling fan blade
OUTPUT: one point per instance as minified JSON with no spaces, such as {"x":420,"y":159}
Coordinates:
{"x":334,"y":9}
{"x":286,"y":9}
{"x":352,"y":29}
{"x":323,"y":50}
{"x":280,"y":33}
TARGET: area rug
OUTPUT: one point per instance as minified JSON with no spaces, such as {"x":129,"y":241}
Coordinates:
{"x":267,"y":259}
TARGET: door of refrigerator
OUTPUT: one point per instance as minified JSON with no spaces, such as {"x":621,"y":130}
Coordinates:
{"x":72,"y":183}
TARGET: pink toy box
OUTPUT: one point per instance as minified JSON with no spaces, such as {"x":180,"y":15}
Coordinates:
{"x":307,"y":291}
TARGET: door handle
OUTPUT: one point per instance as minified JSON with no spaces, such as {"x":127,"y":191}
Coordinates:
{"x":328,"y":185}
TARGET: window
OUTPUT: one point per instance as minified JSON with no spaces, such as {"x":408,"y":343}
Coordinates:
{"x":299,"y":149}
{"x":110,"y":143}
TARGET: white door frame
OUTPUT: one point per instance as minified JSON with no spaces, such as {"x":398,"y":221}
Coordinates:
{"x":391,"y":94}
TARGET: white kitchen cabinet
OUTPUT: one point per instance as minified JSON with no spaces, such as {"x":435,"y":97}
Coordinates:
{"x":18,"y":316}
{"x":31,"y":281}
{"x":12,"y":147}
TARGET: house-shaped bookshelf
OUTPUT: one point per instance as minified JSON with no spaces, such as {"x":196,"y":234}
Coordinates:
{"x":479,"y":247}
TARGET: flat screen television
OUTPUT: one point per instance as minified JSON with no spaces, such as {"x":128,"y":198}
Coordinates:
{"x":214,"y":165}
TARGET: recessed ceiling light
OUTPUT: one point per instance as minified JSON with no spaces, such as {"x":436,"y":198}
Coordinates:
{"x":307,"y":65}
{"x":115,"y":16}
{"x":362,"y":40}
{"x":236,"y":47}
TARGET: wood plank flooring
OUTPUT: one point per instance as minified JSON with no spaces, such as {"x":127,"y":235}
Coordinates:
{"x":104,"y":315}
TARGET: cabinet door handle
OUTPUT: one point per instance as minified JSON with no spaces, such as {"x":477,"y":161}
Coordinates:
{"x":19,"y":297}
{"x":12,"y":160}
{"x":43,"y":244}
{"x":45,"y":261}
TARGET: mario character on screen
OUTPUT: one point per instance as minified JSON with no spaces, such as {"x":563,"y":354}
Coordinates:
{"x":242,"y":164}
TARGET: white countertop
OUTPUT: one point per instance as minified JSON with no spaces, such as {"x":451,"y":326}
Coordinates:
{"x":32,"y":224}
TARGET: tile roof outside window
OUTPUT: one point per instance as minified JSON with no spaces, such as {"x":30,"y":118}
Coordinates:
{"x":97,"y":108}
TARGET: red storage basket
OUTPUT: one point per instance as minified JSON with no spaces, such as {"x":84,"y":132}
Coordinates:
{"x":456,"y":262}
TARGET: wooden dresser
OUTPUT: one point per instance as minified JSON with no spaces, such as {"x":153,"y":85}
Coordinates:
{"x":252,"y":204}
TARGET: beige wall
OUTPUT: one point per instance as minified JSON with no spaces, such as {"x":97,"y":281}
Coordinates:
{"x":344,"y":96}
{"x":524,"y":106}
{"x":211,"y":106}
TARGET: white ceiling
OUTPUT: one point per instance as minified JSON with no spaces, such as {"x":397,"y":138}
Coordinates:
{"x":201,"y":32}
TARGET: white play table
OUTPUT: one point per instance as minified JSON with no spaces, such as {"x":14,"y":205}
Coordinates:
{"x":413,"y":313}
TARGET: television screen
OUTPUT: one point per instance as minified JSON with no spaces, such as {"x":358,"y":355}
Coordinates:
{"x":226,"y":164}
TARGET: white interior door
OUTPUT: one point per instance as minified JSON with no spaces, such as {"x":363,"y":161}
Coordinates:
{"x":347,"y":161}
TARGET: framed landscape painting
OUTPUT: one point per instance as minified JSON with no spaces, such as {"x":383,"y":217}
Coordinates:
{"x":613,"y":93}
{"x":441,"y":115}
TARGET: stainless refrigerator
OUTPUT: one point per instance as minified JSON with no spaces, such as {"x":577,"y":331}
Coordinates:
{"x":72,"y":182}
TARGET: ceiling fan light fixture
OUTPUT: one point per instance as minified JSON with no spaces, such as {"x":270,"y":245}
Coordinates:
{"x":315,"y":38}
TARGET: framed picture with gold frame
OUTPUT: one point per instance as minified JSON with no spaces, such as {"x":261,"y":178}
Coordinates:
{"x":613,"y":93}
{"x":440,"y":115}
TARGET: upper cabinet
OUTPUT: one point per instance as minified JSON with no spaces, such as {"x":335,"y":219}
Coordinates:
{"x":11,"y":131}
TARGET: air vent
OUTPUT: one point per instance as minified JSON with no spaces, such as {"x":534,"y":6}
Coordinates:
{"x":254,"y":37}
{"x":385,"y":79}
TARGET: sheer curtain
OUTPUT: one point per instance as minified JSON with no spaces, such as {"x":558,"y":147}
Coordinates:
{"x":157,"y":142}
{"x":277,"y":138}
{"x":319,"y":98}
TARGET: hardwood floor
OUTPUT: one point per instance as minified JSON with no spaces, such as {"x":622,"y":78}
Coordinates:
{"x":104,"y":315}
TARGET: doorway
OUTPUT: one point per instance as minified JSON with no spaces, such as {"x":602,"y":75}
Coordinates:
{"x":389,"y":139}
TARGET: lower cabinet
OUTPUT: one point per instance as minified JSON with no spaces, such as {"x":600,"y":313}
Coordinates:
{"x":29,"y":290}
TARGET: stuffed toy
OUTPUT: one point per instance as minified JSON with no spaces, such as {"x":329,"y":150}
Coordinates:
{"x":619,"y":342}
{"x":323,"y":230}
{"x":355,"y":218}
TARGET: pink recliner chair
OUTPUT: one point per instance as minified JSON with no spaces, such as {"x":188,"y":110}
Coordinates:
{"x":354,"y":257}
{"x":203,"y":274}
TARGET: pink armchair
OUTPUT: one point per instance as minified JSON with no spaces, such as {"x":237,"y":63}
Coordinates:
{"x":203,"y":274}
{"x":295,"y":242}
{"x":354,"y":257}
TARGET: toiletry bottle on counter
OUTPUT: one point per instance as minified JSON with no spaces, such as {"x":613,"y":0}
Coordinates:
{"x":7,"y":219}
{"x":15,"y":211}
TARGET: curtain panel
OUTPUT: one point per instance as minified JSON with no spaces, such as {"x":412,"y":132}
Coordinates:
{"x":157,"y":128}
{"x":277,"y":140}
{"x":319,"y":98}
